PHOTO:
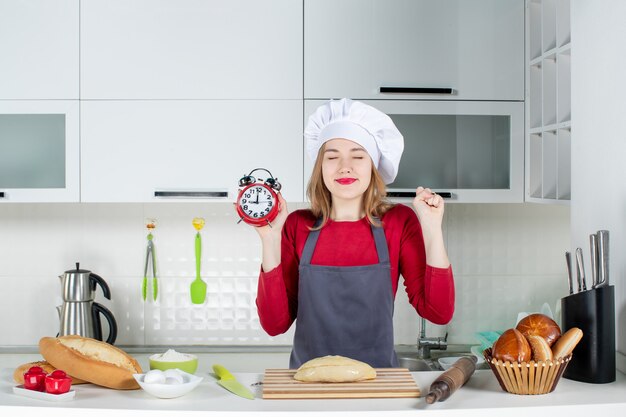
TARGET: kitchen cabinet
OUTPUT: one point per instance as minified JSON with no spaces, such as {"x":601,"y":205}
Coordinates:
{"x":471,"y":150}
{"x":353,"y":48}
{"x":39,"y":49}
{"x":197,"y":49}
{"x":39,"y":151}
{"x":548,"y":102}
{"x":149,"y":150}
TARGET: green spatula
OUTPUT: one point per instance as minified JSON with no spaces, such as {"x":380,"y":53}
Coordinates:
{"x":198,"y":287}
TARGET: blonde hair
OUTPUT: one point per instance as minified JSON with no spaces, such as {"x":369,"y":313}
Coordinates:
{"x":374,"y":202}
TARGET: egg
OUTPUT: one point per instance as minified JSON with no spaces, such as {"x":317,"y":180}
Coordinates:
{"x":155,"y":376}
{"x":173,"y":377}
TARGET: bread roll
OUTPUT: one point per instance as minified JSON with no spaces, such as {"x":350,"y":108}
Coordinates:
{"x":539,"y":325}
{"x":512,"y":346}
{"x":334,"y":369}
{"x":539,"y":347}
{"x":566,"y":343}
{"x":18,"y":374}
{"x":91,"y":360}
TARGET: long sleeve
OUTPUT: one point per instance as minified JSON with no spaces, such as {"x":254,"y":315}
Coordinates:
{"x":277,"y":293}
{"x":430,"y":289}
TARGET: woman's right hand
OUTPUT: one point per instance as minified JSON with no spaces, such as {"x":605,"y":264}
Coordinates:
{"x":277,"y":225}
{"x":271,"y":236}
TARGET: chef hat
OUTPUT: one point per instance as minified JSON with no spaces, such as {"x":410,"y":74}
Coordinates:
{"x":360,"y":123}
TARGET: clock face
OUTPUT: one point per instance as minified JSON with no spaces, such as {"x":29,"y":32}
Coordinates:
{"x":256,"y":202}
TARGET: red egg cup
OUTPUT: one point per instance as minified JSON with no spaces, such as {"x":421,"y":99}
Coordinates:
{"x":58,"y":382}
{"x":34,"y":379}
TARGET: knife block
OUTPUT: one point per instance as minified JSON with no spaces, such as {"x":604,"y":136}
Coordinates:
{"x":593,"y":312}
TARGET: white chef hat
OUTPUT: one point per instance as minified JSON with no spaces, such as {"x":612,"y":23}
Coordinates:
{"x":360,"y":123}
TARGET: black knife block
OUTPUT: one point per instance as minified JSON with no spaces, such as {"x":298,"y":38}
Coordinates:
{"x":593,"y":312}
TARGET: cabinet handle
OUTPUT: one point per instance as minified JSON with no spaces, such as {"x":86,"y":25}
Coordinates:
{"x":417,"y":90}
{"x":411,"y":194}
{"x":1,"y":194}
{"x":192,"y":194}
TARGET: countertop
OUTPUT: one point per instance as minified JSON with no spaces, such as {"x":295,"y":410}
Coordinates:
{"x":481,"y":396}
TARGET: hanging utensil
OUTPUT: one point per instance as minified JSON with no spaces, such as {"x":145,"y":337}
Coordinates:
{"x":198,"y":287}
{"x":150,"y":259}
{"x":603,"y":258}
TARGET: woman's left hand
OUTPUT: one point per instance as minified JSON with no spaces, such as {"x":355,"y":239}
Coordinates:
{"x":429,"y":207}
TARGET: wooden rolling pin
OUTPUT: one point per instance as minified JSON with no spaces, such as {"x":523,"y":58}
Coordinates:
{"x":454,"y":378}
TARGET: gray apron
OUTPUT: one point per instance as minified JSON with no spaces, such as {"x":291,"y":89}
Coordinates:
{"x":345,"y":310}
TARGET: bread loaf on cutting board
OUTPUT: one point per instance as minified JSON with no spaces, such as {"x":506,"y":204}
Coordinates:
{"x":91,"y":360}
{"x":334,"y":369}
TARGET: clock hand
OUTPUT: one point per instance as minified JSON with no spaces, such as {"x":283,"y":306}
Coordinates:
{"x":257,"y":198}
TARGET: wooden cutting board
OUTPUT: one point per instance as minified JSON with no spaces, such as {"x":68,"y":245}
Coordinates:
{"x":389,"y":383}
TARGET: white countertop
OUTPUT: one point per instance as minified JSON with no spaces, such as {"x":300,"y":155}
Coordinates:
{"x":481,"y":396}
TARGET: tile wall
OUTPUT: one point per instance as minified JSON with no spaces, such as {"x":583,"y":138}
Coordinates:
{"x":506,"y":258}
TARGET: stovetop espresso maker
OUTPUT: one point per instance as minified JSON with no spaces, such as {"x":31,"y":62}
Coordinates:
{"x":80,"y":314}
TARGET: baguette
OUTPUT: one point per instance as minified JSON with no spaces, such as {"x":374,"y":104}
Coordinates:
{"x":567,"y":342}
{"x":18,"y":374}
{"x":91,"y":360}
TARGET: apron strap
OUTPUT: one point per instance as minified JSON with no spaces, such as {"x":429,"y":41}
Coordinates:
{"x":309,"y":246}
{"x":379,"y":239}
{"x":381,"y":244}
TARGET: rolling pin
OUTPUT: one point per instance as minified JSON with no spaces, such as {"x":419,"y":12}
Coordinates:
{"x":454,"y":378}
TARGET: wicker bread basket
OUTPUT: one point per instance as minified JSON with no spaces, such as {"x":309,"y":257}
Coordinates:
{"x":527,"y":378}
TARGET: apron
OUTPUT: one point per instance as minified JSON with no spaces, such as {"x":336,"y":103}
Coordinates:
{"x":345,"y":310}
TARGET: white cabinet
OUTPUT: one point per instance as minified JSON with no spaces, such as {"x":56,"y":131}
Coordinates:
{"x":39,"y":151}
{"x":548,"y":102}
{"x":467,"y":151}
{"x":39,"y":49}
{"x":132,"y":149}
{"x":196,"y":49}
{"x":353,"y":48}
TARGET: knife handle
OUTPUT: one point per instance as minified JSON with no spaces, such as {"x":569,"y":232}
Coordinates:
{"x":603,"y":257}
{"x":222,"y":373}
{"x":580,"y":270}
{"x":593,"y":247}
{"x":568,"y":262}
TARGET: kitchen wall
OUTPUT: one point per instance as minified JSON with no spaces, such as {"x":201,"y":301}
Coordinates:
{"x":506,"y":258}
{"x":598,"y":145}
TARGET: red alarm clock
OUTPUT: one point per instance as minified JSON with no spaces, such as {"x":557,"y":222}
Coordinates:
{"x":257,"y":202}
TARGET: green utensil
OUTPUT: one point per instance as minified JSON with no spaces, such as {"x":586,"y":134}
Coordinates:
{"x":150,"y":256}
{"x":198,"y":287}
{"x":228,"y":381}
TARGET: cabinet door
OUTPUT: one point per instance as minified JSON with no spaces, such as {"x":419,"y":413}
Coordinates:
{"x":196,"y":49}
{"x":39,"y":49}
{"x":39,"y":151}
{"x":352,"y":48}
{"x":134,"y":149}
{"x":471,"y":151}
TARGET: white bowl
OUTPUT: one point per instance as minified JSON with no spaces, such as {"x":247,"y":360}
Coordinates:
{"x":169,"y":390}
{"x":447,"y":362}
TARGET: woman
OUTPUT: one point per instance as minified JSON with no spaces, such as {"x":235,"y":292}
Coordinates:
{"x":336,"y":266}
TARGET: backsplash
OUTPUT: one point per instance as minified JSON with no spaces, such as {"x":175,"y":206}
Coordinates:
{"x":506,"y":258}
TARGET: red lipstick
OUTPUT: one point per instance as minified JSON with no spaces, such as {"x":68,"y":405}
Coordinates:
{"x":345,"y":181}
